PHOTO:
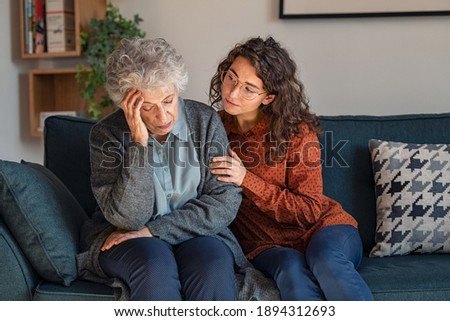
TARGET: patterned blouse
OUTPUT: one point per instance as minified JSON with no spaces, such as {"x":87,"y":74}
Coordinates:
{"x":282,"y":204}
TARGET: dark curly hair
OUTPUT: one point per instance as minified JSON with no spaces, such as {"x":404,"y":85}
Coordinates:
{"x":278,"y":72}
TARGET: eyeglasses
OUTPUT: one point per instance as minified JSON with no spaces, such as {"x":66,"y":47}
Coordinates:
{"x":230,"y":80}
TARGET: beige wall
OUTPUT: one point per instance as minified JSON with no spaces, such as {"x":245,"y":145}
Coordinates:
{"x":374,"y":66}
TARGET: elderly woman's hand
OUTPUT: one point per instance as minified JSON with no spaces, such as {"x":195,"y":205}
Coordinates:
{"x":120,"y":236}
{"x":131,"y":105}
{"x":229,"y":168}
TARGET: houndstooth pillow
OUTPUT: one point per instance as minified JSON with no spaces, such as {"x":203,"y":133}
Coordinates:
{"x":412,"y":183}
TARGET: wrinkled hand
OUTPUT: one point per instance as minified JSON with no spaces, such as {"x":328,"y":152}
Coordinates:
{"x":131,"y":105}
{"x":228,"y":168}
{"x":120,"y":236}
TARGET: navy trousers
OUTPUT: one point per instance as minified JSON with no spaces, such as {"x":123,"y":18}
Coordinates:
{"x":327,"y":271}
{"x":201,"y":268}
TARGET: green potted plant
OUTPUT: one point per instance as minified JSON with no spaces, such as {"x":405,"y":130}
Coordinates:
{"x":97,"y":44}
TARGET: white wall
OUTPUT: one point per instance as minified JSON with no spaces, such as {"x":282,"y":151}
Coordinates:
{"x":374,"y":66}
{"x":15,"y":142}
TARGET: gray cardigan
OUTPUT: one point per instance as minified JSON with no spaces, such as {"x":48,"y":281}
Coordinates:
{"x":122,"y":182}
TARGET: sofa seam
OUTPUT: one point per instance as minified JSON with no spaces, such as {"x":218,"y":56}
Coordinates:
{"x":38,"y":290}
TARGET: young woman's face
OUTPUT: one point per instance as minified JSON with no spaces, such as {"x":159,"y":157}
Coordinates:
{"x":242,"y":90}
{"x":159,"y":111}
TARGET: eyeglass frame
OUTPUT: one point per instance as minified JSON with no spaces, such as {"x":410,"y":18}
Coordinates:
{"x":242,"y":85}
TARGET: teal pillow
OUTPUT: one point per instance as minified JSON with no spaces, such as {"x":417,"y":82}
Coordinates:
{"x":44,"y":218}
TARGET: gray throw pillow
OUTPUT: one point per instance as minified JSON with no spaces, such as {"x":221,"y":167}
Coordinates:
{"x":43,"y":217}
{"x":412,"y":186}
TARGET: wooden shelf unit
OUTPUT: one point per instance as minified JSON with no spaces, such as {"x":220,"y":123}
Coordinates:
{"x":52,"y":90}
{"x":56,"y":90}
{"x":84,"y":10}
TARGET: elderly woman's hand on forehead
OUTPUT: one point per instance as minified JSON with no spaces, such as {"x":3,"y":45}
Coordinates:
{"x":131,"y":105}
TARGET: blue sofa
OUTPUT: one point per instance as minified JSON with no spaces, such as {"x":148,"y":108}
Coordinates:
{"x":348,"y":178}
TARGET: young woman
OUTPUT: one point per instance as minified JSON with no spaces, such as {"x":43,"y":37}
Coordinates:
{"x":288,"y":229}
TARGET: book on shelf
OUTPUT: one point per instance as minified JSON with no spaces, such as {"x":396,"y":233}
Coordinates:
{"x":44,"y":114}
{"x":48,"y":26}
{"x":39,"y":26}
{"x":28,"y":21}
{"x":60,"y":25}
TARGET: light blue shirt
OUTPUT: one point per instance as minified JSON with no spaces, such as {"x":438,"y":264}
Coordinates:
{"x":176,"y":167}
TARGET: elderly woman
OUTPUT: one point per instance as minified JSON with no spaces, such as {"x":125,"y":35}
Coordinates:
{"x":161,"y":227}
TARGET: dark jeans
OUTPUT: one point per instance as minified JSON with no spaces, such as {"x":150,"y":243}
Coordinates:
{"x":327,"y":271}
{"x":201,"y":268}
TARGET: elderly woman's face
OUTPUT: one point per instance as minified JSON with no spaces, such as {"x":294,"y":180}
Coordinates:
{"x":159,"y":111}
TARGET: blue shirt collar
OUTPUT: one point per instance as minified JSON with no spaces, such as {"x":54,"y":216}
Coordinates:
{"x":181,"y":129}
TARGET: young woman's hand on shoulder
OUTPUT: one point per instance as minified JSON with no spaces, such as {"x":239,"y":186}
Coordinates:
{"x":228,"y":168}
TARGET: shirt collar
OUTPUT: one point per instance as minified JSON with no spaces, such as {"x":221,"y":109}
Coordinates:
{"x":231,"y":127}
{"x":181,"y":129}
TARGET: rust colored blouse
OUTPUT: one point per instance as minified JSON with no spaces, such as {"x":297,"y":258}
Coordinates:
{"x":282,"y":204}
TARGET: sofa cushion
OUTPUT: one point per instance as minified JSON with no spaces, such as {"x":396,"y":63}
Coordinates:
{"x":347,"y":165}
{"x":66,"y":154}
{"x":412,"y":183}
{"x":408,"y":277}
{"x":43,"y":217}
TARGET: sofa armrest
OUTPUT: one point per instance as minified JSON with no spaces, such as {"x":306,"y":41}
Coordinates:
{"x":18,"y":279}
